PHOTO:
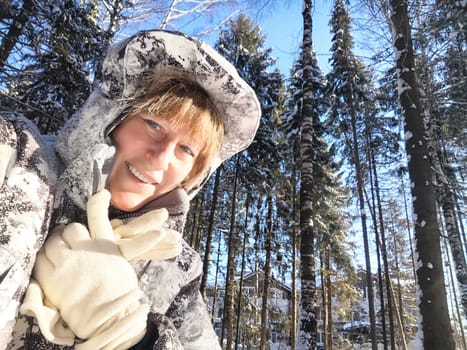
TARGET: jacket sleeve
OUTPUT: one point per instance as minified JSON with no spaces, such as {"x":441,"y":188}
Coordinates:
{"x":25,"y":204}
{"x":186,"y":325}
{"x":190,"y":316}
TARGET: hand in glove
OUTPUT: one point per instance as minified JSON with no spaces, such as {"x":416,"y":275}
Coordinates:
{"x":87,"y":284}
{"x":144,"y":238}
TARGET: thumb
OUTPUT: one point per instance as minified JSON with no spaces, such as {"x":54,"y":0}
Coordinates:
{"x":98,"y":216}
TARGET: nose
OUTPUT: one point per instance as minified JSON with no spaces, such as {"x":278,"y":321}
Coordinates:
{"x":160,"y":155}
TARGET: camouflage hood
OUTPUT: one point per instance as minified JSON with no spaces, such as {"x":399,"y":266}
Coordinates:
{"x":83,"y":145}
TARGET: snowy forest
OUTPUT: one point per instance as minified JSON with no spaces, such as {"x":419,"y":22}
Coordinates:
{"x":352,"y":195}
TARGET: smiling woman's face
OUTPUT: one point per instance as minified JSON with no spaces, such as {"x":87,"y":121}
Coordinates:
{"x":152,"y":158}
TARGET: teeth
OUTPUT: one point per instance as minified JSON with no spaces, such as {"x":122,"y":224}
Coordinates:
{"x":140,"y":176}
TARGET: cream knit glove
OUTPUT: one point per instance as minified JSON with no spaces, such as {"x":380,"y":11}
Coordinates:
{"x":86,"y":288}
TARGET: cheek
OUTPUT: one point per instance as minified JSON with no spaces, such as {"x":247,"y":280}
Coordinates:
{"x":187,"y":170}
{"x":128,"y":132}
{"x":129,"y":143}
{"x":178,"y":172}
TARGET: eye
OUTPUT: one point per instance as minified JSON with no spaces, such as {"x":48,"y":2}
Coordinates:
{"x":152,"y":124}
{"x":187,"y":150}
{"x":153,"y":128}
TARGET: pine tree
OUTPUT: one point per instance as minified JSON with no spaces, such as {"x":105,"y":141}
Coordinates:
{"x":16,"y":19}
{"x":347,"y":83}
{"x":433,"y":306}
{"x":329,"y":216}
{"x":445,"y":119}
{"x":52,"y":71}
{"x":243,"y":45}
{"x":320,"y":226}
{"x":307,"y":334}
{"x":400,"y":260}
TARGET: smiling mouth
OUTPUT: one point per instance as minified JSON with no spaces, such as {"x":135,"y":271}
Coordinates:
{"x":138,"y":175}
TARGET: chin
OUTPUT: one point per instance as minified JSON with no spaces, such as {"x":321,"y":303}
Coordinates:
{"x":125,"y":202}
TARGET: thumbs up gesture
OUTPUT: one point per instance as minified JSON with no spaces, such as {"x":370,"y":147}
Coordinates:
{"x":83,"y":287}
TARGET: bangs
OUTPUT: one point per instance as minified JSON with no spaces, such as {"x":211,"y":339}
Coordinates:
{"x":179,"y":112}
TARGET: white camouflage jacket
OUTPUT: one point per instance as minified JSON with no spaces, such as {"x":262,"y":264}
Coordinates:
{"x":26,"y":187}
{"x":178,"y":318}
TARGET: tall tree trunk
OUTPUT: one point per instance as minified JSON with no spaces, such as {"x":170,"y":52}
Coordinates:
{"x":327,"y":281}
{"x":407,"y":220}
{"x":324,"y":300}
{"x":230,"y":279}
{"x":384,"y":251}
{"x":209,"y":233}
{"x":195,"y":230}
{"x":267,"y":274}
{"x":436,"y":328}
{"x":392,"y":296}
{"x":456,"y":303}
{"x":216,"y":280}
{"x":258,"y":221}
{"x":238,"y":310}
{"x":240,"y":287}
{"x":361,"y":200}
{"x":444,"y":172}
{"x":308,"y":324}
{"x":447,"y":204}
{"x":293,"y":306}
{"x":399,"y":289}
{"x":372,"y":208}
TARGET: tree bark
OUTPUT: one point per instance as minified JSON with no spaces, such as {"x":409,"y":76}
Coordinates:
{"x":447,"y":203}
{"x":384,"y":252}
{"x":433,"y":307}
{"x":240,"y":287}
{"x":212,"y":215}
{"x":399,"y":290}
{"x":195,"y":232}
{"x":327,"y":280}
{"x":293,"y":306}
{"x":307,"y":334}
{"x":230,"y":279}
{"x":216,"y":281}
{"x":361,"y":201}
{"x":267,"y":273}
{"x":456,"y":303}
{"x":372,"y":208}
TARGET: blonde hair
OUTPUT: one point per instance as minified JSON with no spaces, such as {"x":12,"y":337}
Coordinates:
{"x":173,"y":95}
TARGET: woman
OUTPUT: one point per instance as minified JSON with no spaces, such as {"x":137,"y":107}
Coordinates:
{"x":138,"y":137}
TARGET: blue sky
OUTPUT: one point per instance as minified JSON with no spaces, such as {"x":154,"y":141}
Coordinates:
{"x":283,"y":29}
{"x":282,"y":26}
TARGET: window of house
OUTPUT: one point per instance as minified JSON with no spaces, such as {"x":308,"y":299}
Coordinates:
{"x":274,"y":337}
{"x":276,"y":293}
{"x":250,"y":291}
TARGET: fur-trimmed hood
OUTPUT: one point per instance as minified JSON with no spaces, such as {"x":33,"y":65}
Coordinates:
{"x":83,"y":144}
